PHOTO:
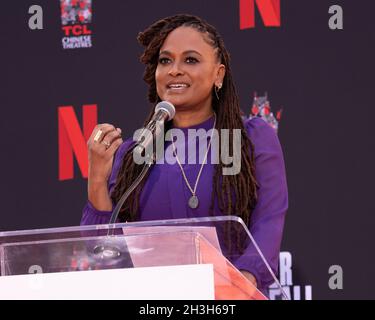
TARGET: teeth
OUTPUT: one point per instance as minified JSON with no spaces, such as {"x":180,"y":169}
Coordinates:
{"x":178,"y":85}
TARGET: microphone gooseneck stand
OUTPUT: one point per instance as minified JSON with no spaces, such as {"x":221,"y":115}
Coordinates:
{"x":127,"y":193}
{"x":108,"y":250}
{"x":164,"y":111}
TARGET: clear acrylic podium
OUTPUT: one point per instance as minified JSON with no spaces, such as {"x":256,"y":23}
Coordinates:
{"x":223,"y":242}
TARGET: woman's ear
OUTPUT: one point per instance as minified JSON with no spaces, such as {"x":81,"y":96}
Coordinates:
{"x":220,"y":75}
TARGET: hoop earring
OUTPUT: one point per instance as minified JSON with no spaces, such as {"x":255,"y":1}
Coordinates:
{"x":217,"y":89}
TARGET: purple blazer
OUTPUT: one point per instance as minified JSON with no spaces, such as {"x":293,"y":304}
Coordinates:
{"x":165,"y":196}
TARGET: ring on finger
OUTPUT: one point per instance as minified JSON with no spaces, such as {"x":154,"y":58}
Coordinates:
{"x":98,"y":135}
{"x":107,"y":144}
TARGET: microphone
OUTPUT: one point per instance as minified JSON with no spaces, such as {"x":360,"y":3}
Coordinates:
{"x":164,"y":111}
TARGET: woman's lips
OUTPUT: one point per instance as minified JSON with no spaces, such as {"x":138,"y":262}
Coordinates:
{"x":177,"y":87}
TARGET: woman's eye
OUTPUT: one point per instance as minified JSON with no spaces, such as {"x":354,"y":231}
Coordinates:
{"x":163,"y":60}
{"x":191,"y":60}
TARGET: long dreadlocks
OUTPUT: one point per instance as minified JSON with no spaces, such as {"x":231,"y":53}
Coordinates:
{"x":236,"y":194}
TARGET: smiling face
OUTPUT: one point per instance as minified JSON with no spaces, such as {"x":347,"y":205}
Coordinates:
{"x":187,"y":70}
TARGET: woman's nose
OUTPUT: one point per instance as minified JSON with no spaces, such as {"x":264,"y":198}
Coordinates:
{"x":175,"y":70}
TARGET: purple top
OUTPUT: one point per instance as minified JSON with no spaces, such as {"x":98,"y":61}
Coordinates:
{"x":165,"y":196}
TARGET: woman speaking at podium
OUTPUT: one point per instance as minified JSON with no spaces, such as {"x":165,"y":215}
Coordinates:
{"x":187,"y":64}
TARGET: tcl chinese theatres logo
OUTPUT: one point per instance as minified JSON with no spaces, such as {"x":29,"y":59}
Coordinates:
{"x":76,"y":16}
